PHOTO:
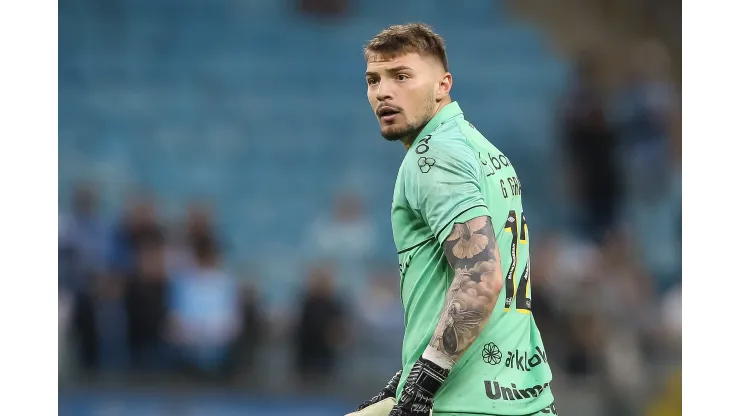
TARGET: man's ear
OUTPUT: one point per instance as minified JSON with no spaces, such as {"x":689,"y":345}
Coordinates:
{"x":445,"y":85}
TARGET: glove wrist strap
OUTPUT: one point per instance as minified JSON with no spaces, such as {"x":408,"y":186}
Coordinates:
{"x":429,"y":376}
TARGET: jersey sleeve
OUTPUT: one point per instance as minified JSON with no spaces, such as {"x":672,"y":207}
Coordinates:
{"x":443,"y":184}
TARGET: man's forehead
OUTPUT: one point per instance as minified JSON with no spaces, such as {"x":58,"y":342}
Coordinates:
{"x":380,"y":62}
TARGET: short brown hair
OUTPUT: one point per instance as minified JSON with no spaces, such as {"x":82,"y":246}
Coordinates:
{"x":399,"y":40}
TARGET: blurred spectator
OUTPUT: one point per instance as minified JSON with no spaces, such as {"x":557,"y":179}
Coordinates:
{"x":198,"y":226}
{"x":381,"y":312}
{"x":253,"y":333}
{"x":66,"y":310}
{"x":545,"y":301}
{"x":82,"y":240}
{"x":322,"y":327}
{"x":590,"y":146}
{"x":100,"y":325}
{"x":138,"y":227}
{"x":566,"y":271}
{"x":146,"y":304}
{"x":347,"y":236}
{"x":623,"y":295}
{"x":649,"y":121}
{"x":205,"y":311}
{"x":625,"y":287}
{"x":84,"y":332}
{"x":570,"y":264}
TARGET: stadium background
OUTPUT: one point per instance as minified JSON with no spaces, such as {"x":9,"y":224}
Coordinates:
{"x":224,"y":234}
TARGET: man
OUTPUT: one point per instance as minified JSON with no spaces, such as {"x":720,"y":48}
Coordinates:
{"x":471,"y":346}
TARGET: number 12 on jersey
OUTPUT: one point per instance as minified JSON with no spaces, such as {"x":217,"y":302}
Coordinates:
{"x":518,"y":293}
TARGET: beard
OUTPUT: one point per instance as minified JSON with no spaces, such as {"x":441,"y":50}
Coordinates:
{"x":404,"y":132}
{"x":412,"y":128}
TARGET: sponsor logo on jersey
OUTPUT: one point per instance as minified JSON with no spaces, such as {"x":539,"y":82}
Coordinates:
{"x":493,"y":163}
{"x":525,"y":361}
{"x":491,"y":354}
{"x":496,"y":391}
{"x":516,"y":360}
{"x":426,"y":163}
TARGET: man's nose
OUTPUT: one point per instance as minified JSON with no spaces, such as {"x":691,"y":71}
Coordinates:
{"x":384,"y":91}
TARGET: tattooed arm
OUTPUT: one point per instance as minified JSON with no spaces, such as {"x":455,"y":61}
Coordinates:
{"x":473,"y":254}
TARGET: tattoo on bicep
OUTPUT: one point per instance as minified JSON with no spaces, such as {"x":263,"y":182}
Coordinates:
{"x":472,"y":252}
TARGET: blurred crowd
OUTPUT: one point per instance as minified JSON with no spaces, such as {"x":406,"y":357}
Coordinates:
{"x":614,"y":285}
{"x":139,"y":297}
{"x":147,"y":298}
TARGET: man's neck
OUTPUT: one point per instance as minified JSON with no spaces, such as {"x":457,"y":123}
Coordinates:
{"x":408,"y":141}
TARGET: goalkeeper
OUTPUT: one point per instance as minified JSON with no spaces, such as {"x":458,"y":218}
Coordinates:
{"x":471,"y":345}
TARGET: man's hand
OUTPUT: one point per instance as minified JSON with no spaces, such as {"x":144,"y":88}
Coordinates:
{"x":389,"y":391}
{"x":423,"y":382}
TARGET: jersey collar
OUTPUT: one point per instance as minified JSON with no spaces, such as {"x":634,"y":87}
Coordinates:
{"x":447,"y":112}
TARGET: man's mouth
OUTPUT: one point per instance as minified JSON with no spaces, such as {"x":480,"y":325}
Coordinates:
{"x":387,"y":114}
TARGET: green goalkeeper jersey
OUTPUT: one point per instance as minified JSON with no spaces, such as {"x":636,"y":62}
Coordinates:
{"x":452,"y":174}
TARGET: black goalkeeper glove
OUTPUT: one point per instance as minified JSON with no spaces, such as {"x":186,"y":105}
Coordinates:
{"x":417,"y":396}
{"x":388,"y":391}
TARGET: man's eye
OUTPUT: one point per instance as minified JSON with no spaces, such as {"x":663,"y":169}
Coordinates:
{"x":372,"y":81}
{"x":402,"y":77}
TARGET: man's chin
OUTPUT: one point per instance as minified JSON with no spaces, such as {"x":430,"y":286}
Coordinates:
{"x":393,"y":135}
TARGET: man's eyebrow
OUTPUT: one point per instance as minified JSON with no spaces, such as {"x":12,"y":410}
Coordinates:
{"x":399,"y":68}
{"x":393,"y":70}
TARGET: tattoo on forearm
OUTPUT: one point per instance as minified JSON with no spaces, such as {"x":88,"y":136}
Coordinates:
{"x":472,"y":252}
